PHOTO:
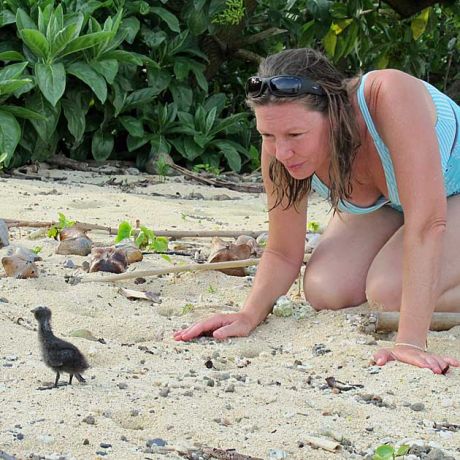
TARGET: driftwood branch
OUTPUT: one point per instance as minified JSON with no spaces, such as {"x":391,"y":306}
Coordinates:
{"x":174,"y":234}
{"x":239,"y":187}
{"x":173,"y":269}
{"x":386,"y":321}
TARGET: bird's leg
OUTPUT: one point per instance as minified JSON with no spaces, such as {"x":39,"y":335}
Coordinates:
{"x":57,"y":379}
{"x":70,"y":379}
{"x":80,"y":378}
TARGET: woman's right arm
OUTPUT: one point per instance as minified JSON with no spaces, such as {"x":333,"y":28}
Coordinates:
{"x":277,"y":270}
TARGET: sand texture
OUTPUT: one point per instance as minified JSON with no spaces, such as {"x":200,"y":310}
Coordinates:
{"x":149,"y":397}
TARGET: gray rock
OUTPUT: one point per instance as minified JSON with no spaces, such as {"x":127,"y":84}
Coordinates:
{"x":417,"y":407}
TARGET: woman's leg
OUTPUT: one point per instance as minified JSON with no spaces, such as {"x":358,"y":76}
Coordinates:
{"x":336,"y":273}
{"x":384,"y":280}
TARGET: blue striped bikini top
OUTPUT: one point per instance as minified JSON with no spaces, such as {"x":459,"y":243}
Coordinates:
{"x":446,"y":127}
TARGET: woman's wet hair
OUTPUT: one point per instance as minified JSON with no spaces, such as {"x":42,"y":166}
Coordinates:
{"x":344,"y":138}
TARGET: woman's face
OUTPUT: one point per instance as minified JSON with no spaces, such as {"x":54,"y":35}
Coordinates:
{"x":296,"y":136}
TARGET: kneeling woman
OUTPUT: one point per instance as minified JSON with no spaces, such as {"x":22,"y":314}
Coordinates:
{"x":384,"y":148}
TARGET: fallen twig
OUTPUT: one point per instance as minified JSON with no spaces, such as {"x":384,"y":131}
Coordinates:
{"x":173,"y":269}
{"x":239,"y":187}
{"x":385,"y":321}
{"x":174,"y":234}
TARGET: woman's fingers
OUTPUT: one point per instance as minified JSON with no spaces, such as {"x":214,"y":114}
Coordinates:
{"x":200,"y":328}
{"x":437,"y":364}
{"x":382,"y":356}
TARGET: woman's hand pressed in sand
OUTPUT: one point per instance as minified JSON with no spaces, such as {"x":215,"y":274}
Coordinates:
{"x":220,"y":326}
{"x":438,"y":364}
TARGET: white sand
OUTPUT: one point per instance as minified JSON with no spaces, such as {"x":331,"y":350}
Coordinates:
{"x":275,"y":402}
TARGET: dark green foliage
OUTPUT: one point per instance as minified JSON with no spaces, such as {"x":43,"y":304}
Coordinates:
{"x":137,"y":79}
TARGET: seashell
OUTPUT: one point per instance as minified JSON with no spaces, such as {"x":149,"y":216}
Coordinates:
{"x":284,"y":307}
{"x":16,"y":267}
{"x":80,"y":246}
{"x":23,"y":253}
{"x":262,"y":239}
{"x":133,"y":253}
{"x":4,"y":241}
{"x":111,"y":260}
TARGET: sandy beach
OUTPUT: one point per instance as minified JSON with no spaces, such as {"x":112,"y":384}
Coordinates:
{"x":149,"y":397}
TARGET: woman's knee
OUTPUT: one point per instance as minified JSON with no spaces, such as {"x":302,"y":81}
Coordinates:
{"x":384,"y":292}
{"x":326,"y":292}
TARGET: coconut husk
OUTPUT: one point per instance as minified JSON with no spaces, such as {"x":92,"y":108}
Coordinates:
{"x":74,"y":241}
{"x":17,"y":267}
{"x":222,"y":251}
{"x":110,"y":259}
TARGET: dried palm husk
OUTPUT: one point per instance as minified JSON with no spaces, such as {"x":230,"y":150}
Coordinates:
{"x":222,"y":251}
{"x":110,"y":259}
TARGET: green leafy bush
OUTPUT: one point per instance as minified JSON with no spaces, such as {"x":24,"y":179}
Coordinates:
{"x":136,"y":80}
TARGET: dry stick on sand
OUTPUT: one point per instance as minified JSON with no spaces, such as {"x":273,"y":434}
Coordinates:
{"x":176,"y":234}
{"x":179,"y":269}
{"x":175,"y":269}
{"x":386,"y":321}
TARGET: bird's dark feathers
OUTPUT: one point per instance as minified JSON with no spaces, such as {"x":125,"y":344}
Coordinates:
{"x":60,"y":355}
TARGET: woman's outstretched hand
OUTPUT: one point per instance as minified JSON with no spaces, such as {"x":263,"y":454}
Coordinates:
{"x":438,"y":364}
{"x":220,"y":326}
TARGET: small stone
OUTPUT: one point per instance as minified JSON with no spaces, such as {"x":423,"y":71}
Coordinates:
{"x":435,"y":454}
{"x":122,"y":386}
{"x":417,"y":407}
{"x":134,"y":412}
{"x":105,"y":445}
{"x":156,"y":442}
{"x":164,"y":392}
{"x":19,"y":436}
{"x":210,"y":383}
{"x":85,"y":442}
{"x":230,"y":388}
{"x":90,"y":420}
{"x":277,"y":454}
{"x":69,"y":263}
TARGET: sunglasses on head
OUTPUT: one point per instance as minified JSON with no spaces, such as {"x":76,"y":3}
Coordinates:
{"x":282,"y":85}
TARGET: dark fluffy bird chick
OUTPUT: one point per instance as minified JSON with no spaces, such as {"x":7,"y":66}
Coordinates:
{"x":58,"y":354}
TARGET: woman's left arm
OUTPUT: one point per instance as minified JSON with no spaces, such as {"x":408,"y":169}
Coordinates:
{"x":405,"y":119}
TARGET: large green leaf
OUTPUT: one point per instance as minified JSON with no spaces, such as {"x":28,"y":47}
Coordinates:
{"x":10,"y":86}
{"x":22,"y":112}
{"x":62,"y":38}
{"x":125,"y":57}
{"x":51,"y":79}
{"x":95,"y":81}
{"x":10,"y":134}
{"x":7,"y":17}
{"x":131,"y":25}
{"x":102,"y":145}
{"x":24,"y":21}
{"x":134,"y":126}
{"x":85,"y":41}
{"x":139,"y":97}
{"x":36,"y":42}
{"x":75,"y":115}
{"x":12,"y":71}
{"x":108,"y":68}
{"x":11,"y":56}
{"x":169,"y":18}
{"x":45,"y":127}
{"x":230,"y":152}
{"x":134,"y":143}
